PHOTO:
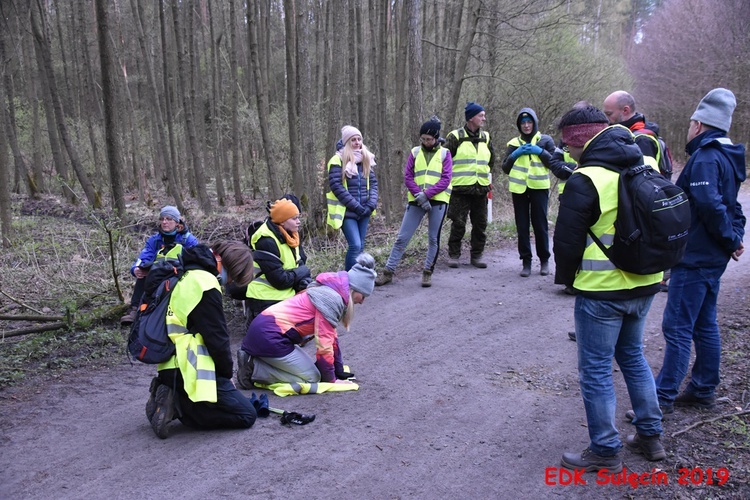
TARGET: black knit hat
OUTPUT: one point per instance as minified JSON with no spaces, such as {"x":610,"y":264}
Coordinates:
{"x":431,"y":127}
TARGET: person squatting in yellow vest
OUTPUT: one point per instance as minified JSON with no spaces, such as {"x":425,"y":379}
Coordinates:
{"x":427,"y":176}
{"x":473,"y":159}
{"x":610,"y":311}
{"x":278,"y":259}
{"x":529,"y":183}
{"x":195,"y":385}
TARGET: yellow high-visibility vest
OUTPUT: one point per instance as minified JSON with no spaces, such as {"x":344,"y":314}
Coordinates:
{"x":427,"y":175}
{"x":191,"y":355}
{"x":260,"y":288}
{"x":597,"y":273}
{"x":528,"y":170}
{"x":471,"y":164}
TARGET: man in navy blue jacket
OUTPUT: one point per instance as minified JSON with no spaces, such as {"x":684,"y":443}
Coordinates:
{"x":711,"y":178}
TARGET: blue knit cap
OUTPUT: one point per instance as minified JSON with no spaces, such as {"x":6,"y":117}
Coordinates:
{"x":471,"y":110}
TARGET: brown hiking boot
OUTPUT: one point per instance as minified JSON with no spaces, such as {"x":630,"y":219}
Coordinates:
{"x":384,"y":278}
{"x":478,"y":262}
{"x":453,"y":262}
{"x":129,"y":317}
{"x":648,"y":446}
{"x":590,"y":461}
{"x":426,"y":278}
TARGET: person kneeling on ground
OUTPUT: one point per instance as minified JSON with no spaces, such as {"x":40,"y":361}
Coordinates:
{"x":195,"y":385}
{"x":271,"y":350}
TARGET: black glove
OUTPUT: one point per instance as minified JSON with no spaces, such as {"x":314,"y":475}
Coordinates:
{"x":361,"y":211}
{"x":342,"y":375}
{"x":302,"y":284}
{"x":368,"y":212}
{"x":301,"y":272}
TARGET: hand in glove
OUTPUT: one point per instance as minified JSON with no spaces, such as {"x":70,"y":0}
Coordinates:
{"x":520,"y":151}
{"x":342,"y":375}
{"x":423,"y":202}
{"x":533,"y":149}
{"x":361,"y":211}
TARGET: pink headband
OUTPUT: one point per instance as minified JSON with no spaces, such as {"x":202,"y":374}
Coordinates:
{"x":578,"y":135}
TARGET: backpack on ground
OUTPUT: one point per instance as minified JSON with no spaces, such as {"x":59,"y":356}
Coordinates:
{"x":651,"y":228}
{"x":148,"y":341}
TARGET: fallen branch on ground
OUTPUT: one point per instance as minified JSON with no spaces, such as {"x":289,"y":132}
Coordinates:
{"x":710,"y":420}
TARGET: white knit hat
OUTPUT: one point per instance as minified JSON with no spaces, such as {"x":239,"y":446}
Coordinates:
{"x":347,"y":132}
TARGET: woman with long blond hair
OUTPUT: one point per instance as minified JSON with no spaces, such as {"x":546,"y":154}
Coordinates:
{"x":353,"y":191}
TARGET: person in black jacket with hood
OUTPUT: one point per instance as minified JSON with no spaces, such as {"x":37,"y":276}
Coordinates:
{"x":610,"y":312}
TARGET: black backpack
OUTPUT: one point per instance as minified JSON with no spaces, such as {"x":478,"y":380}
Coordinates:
{"x":665,"y":157}
{"x":653,"y":219}
{"x":148,"y":341}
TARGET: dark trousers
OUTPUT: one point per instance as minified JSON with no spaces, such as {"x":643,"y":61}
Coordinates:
{"x":533,"y":202}
{"x":232,"y":409}
{"x":475,"y":207}
{"x":140,"y":287}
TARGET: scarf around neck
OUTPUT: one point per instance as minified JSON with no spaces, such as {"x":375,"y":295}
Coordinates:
{"x":291,"y":239}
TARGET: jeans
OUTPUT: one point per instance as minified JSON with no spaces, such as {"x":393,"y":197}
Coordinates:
{"x":530,"y":209}
{"x":412,"y":218}
{"x":475,"y":207}
{"x":354,"y":232}
{"x":607,"y":329}
{"x":690,"y":316}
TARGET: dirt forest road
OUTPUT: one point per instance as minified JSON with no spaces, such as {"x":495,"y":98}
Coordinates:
{"x":467,"y":389}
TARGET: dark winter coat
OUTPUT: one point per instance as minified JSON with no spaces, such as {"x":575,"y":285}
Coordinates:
{"x":711,"y":179}
{"x":613,"y":148}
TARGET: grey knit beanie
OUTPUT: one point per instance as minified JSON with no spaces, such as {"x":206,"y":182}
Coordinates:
{"x":362,"y":275}
{"x":716,"y":108}
{"x":171,"y":212}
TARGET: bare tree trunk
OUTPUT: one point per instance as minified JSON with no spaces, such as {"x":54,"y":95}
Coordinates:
{"x":463,"y":58}
{"x":10,"y":126}
{"x":335,"y":82}
{"x":261,"y":100}
{"x":166,"y":158}
{"x":235,"y":88}
{"x":313,"y":198}
{"x":108,"y":92}
{"x":215,"y":100}
{"x":187,"y":105}
{"x":5,"y":209}
{"x":400,"y":145}
{"x":38,"y":25}
{"x":380,"y":67}
{"x":415,"y":69}
{"x":360,"y":94}
{"x":291,"y":96}
{"x":177,"y":171}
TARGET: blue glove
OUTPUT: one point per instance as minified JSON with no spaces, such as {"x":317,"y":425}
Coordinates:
{"x":520,"y":151}
{"x":533,"y":149}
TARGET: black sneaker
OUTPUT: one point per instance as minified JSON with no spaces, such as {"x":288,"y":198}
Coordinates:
{"x":648,"y":446}
{"x":688,"y":399}
{"x":245,"y":367}
{"x":151,"y":403}
{"x":164,"y":412}
{"x":591,"y":462}
{"x":572,"y":336}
